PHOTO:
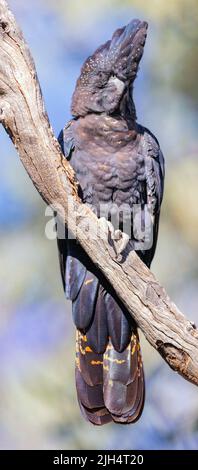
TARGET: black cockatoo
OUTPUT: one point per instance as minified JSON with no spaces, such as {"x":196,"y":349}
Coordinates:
{"x":117,"y":161}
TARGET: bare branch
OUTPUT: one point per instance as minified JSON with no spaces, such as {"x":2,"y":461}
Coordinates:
{"x":23,"y":115}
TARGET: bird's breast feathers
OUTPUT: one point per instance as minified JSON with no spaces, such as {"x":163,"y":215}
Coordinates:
{"x":108,"y":160}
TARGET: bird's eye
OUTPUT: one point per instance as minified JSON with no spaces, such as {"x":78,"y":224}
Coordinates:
{"x":101,"y":75}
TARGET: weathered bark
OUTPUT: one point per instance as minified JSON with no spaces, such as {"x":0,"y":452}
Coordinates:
{"x":23,"y":115}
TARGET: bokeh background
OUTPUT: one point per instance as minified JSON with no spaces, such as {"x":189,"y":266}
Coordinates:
{"x":38,"y":407}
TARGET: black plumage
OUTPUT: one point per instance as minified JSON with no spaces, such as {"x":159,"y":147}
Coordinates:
{"x":119,"y":166}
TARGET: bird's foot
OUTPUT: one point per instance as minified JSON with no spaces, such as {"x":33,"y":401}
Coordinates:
{"x":122,"y":240}
{"x":119,"y":240}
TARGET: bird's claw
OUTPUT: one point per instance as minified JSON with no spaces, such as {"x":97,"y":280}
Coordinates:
{"x":120,"y":239}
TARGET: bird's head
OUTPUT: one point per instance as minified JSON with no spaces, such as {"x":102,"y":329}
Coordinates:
{"x":110,"y":71}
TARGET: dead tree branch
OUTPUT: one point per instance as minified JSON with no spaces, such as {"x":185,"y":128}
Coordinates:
{"x":23,"y":115}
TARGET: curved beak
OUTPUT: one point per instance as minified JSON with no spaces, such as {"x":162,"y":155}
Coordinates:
{"x":126,"y":49}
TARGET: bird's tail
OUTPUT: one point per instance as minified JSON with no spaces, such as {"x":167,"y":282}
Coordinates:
{"x":109,"y":372}
{"x":110,"y":386}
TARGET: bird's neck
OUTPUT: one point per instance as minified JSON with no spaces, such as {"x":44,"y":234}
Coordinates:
{"x":115,"y":129}
{"x":103,"y":130}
